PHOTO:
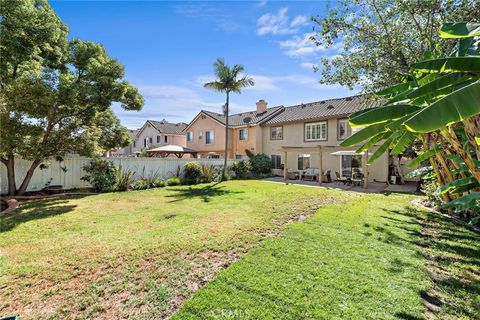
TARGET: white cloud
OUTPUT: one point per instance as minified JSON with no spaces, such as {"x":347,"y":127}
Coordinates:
{"x":262,"y":4}
{"x":279,"y":23}
{"x":308,"y":65}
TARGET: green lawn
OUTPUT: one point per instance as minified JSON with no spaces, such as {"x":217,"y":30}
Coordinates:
{"x":141,"y":254}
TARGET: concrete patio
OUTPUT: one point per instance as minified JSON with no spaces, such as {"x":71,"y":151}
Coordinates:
{"x":373,"y":187}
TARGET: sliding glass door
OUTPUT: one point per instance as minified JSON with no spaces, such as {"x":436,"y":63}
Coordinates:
{"x":351,"y":165}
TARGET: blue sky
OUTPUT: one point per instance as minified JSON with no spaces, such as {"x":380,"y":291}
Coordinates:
{"x":168,"y":49}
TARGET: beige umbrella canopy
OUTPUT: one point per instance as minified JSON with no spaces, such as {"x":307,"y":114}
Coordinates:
{"x":165,"y":151}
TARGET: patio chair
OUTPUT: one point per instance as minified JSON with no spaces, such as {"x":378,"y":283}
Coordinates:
{"x":326,"y":177}
{"x":311,"y":174}
{"x":339,"y":179}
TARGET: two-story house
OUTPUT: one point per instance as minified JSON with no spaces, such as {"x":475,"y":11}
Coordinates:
{"x":158,"y":133}
{"x":309,"y":136}
{"x":206,"y":132}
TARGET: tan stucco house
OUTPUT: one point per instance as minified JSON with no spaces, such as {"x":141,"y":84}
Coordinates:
{"x":309,"y":136}
{"x":157,"y":133}
{"x":206,"y":132}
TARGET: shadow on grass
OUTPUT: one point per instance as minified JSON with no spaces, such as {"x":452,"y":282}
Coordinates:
{"x":452,"y":254}
{"x":206,"y":193}
{"x":36,"y":209}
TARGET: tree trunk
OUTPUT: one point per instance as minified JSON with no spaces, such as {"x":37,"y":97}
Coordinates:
{"x":10,"y":164}
{"x":472,"y":129}
{"x":399,"y":169}
{"x":28,"y":177}
{"x":225,"y":157}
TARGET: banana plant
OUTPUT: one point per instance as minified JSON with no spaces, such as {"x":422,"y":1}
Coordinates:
{"x":438,"y":103}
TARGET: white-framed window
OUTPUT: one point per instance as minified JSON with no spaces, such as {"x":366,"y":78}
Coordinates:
{"x":316,"y":131}
{"x":165,"y":139}
{"x":238,"y":156}
{"x":276,"y":161}
{"x":200,"y":135}
{"x":190,"y":136}
{"x":276,"y":133}
{"x":209,"y":137}
{"x":342,"y":129}
{"x":303,"y":161}
{"x":158,"y":139}
{"x":243,"y":134}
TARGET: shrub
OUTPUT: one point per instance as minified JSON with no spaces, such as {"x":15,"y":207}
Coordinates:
{"x":159,"y":183}
{"x":140,"y":185}
{"x":150,"y":177}
{"x":208,"y":173}
{"x":101,"y":174}
{"x":192,"y":172}
{"x":241,"y":169}
{"x":261,"y":164}
{"x":174,"y":181}
{"x":124,"y":179}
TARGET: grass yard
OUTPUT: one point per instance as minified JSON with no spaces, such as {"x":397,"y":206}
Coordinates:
{"x":140,"y":255}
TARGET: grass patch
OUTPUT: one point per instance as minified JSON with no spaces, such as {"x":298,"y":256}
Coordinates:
{"x":374,"y":257}
{"x":137,"y":254}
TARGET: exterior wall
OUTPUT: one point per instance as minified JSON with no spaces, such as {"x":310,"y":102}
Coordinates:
{"x":293,"y":136}
{"x":236,"y":146}
{"x":150,"y":132}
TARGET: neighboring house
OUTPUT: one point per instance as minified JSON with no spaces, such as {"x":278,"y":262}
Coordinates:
{"x":158,"y":133}
{"x":206,"y":132}
{"x":301,"y":133}
{"x":127,"y":151}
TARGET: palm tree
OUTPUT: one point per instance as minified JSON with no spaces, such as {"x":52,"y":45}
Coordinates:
{"x":227,"y":82}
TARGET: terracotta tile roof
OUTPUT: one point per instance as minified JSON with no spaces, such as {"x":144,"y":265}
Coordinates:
{"x":325,"y":109}
{"x":244,"y":118}
{"x":167,"y":127}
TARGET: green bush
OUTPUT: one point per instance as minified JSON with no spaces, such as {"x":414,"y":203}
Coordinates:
{"x":241,"y":169}
{"x":159,"y":183}
{"x":261,"y":164}
{"x":140,"y":185}
{"x":124,"y":179}
{"x":101,"y":174}
{"x":192,"y":172}
{"x":208,"y":173}
{"x":174,"y":181}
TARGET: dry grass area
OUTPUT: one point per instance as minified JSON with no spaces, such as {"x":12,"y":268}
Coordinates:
{"x":137,"y":254}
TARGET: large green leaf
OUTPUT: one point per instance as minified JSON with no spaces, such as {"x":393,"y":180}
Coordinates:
{"x":419,"y":172}
{"x":460,"y":30}
{"x":396,"y":89}
{"x":434,"y":86}
{"x":469,"y":201}
{"x":374,"y":140}
{"x":450,"y":64}
{"x":402,"y":143}
{"x":455,"y":107}
{"x":457,"y":183}
{"x":382,"y":114}
{"x":424,"y":156}
{"x":381,"y":150}
{"x":364,"y":134}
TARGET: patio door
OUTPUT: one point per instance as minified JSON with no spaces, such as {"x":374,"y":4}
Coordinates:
{"x":351,"y":165}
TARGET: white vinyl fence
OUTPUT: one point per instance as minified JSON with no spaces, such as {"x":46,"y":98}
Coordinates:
{"x":68,"y":172}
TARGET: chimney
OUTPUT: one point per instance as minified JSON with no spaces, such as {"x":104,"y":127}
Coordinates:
{"x":261,"y":106}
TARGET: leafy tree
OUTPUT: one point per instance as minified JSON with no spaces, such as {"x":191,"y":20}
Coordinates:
{"x":227,"y":81}
{"x":380,"y":39}
{"x":437,"y":105}
{"x":55,"y":93}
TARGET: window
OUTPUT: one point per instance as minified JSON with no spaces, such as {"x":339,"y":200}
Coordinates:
{"x":276,"y":161}
{"x":145,"y":142}
{"x":200,"y":135}
{"x":243,"y":134}
{"x":276,"y":133}
{"x":150,"y":139}
{"x":134,"y":144}
{"x":209,"y":137}
{"x":238,"y":156}
{"x":342,"y":129}
{"x":158,"y":139}
{"x":351,"y":165}
{"x":316,"y":131}
{"x":189,"y":136}
{"x":165,"y":139}
{"x":303,"y":161}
